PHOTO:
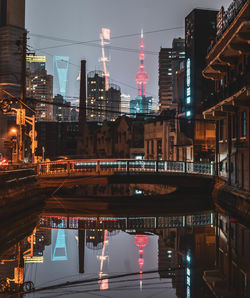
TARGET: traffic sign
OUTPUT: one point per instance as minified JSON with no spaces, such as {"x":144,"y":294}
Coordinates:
{"x":30,"y":134}
{"x":20,"y":116}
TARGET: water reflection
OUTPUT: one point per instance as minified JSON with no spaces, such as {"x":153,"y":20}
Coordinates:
{"x":115,"y":190}
{"x":173,"y":256}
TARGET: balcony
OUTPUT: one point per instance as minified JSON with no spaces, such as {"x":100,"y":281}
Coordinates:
{"x":231,"y":43}
{"x":236,"y":94}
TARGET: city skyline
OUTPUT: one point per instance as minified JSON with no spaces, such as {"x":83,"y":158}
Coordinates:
{"x":48,"y":37}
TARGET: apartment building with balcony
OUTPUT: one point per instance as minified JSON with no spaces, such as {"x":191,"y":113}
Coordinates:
{"x":228,"y":66}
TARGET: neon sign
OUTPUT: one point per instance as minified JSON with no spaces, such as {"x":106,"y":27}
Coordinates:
{"x":188,"y":81}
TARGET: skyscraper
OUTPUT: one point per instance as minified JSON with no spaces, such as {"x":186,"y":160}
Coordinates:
{"x":96,"y":104}
{"x":102,"y":105}
{"x":169,"y":63}
{"x":113,"y":102}
{"x":60,"y":72}
{"x":125,"y":104}
{"x":39,"y":86}
{"x":200,"y":31}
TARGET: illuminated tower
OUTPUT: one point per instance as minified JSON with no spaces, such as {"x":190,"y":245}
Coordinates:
{"x":141,"y":241}
{"x":141,"y":76}
{"x":141,"y":104}
{"x":60,"y":70}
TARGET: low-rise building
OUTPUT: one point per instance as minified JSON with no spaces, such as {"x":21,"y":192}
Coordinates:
{"x":122,"y":138}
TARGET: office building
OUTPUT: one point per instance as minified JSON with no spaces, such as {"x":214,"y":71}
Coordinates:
{"x":170,"y":60}
{"x":39,"y":87}
{"x":200,"y":31}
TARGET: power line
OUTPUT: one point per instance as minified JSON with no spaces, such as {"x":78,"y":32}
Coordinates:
{"x":77,"y":282}
{"x":99,"y":110}
{"x":74,"y":42}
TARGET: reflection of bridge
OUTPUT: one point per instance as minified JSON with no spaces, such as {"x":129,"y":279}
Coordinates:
{"x":111,"y":166}
{"x":125,"y":223}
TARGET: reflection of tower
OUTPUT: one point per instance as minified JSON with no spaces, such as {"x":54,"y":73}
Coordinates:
{"x":103,"y":281}
{"x":141,"y":241}
{"x":141,"y":76}
{"x":59,"y":247}
{"x":60,"y":70}
{"x":105,"y":38}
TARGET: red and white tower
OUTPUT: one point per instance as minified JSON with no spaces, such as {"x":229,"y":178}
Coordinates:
{"x":141,"y":76}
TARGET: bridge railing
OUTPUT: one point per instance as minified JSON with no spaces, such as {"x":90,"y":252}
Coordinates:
{"x":123,"y":223}
{"x":102,"y":166}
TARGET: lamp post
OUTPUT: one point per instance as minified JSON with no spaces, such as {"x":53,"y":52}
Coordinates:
{"x":13,"y":135}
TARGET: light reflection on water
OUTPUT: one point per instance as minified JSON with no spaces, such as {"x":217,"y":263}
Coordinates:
{"x":147,"y":258}
{"x":153,"y":256}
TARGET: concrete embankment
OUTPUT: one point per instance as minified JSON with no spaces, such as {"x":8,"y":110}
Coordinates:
{"x":19,"y":191}
{"x":232,"y":200}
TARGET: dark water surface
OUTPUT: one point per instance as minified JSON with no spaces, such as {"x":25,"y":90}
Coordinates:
{"x":186,"y":254}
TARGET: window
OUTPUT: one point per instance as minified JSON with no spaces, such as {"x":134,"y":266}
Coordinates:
{"x":147,"y":147}
{"x":243,"y":124}
{"x":159,"y":147}
{"x":152,"y":147}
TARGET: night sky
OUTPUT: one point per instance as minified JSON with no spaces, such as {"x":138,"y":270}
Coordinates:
{"x":81,"y":20}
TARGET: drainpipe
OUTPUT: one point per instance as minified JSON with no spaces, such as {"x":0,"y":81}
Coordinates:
{"x":229,"y":146}
{"x":217,"y":148}
{"x":237,"y":142}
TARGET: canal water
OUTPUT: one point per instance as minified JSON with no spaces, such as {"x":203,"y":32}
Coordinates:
{"x":57,"y":252}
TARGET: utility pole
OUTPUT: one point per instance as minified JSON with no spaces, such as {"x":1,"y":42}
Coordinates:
{"x":21,"y":134}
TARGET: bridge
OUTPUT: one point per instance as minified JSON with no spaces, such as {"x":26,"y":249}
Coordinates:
{"x":105,"y":167}
{"x":75,"y":172}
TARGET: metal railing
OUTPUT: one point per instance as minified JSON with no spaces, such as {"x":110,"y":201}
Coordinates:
{"x":107,"y":166}
{"x":124,"y":223}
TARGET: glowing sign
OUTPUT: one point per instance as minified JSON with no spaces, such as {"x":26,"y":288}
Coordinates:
{"x":188,"y":113}
{"x":188,"y":275}
{"x":32,"y":58}
{"x":188,"y":81}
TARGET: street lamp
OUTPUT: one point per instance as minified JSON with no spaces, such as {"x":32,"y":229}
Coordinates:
{"x":13,"y":135}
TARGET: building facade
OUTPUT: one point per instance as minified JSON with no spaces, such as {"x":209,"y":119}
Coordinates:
{"x":200,"y":31}
{"x":61,"y":109}
{"x":57,"y":138}
{"x":102,"y":105}
{"x":228,"y":67}
{"x":96,"y":105}
{"x":113,"y":102}
{"x":169,"y":63}
{"x":122,"y":138}
{"x":39,"y":87}
{"x":12,"y":29}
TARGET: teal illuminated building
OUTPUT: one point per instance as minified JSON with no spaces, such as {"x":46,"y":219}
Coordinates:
{"x":60,"y":72}
{"x":140,"y":105}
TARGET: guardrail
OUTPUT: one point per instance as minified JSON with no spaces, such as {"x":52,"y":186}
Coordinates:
{"x":104,"y":166}
{"x":10,"y":179}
